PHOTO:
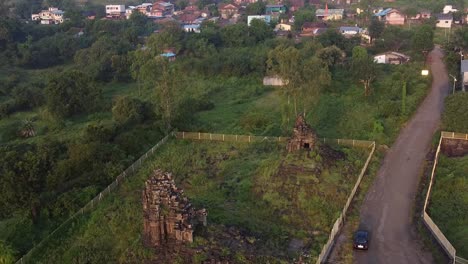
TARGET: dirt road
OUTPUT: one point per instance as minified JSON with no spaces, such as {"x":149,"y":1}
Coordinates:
{"x":387,"y":210}
{"x":388,"y":207}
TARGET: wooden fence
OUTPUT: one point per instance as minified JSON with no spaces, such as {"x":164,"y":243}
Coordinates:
{"x":91,"y":204}
{"x":430,"y":224}
{"x":251,"y":138}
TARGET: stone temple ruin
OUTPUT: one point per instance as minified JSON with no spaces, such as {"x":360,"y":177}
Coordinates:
{"x":168,"y":216}
{"x":304,"y":137}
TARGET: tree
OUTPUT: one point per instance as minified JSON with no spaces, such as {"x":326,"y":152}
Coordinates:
{"x":71,"y":92}
{"x":363,"y":68}
{"x":423,"y":39}
{"x":303,"y":15}
{"x":128,"y":111}
{"x":316,"y":76}
{"x":460,"y":39}
{"x":7,"y":254}
{"x":257,"y":8}
{"x":331,"y":55}
{"x":259,"y":30}
{"x":376,"y":28}
{"x":234,"y":36}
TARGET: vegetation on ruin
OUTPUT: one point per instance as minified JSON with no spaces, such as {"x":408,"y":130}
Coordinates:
{"x":272,"y":199}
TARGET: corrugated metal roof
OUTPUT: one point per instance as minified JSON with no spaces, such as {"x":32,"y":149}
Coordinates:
{"x":383,"y":12}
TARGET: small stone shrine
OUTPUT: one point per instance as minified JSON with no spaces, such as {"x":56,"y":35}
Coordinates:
{"x":169,"y":217}
{"x":304,"y":137}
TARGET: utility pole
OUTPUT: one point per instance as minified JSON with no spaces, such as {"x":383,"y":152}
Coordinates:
{"x":454,"y":81}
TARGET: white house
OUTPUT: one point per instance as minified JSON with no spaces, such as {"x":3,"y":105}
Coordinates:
{"x":444,"y":20}
{"x":115,"y":10}
{"x":50,"y":16}
{"x":266,"y":18}
{"x":391,"y":57}
{"x":449,"y":9}
{"x":283,"y":27}
{"x":350,"y":31}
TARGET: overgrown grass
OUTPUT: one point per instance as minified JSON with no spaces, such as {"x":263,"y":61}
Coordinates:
{"x":449,"y":201}
{"x":254,"y":188}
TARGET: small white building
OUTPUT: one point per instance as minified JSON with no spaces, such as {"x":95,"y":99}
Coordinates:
{"x":194,"y":28}
{"x":115,"y":10}
{"x":391,"y":57}
{"x":444,"y":20}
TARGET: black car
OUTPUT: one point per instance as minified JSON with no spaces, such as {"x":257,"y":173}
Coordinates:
{"x":361,"y":240}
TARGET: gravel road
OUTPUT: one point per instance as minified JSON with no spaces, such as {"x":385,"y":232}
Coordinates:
{"x":388,"y":208}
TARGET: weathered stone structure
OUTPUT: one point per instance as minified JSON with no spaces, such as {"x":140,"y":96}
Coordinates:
{"x":304,"y":137}
{"x":168,"y":216}
{"x":454,"y":147}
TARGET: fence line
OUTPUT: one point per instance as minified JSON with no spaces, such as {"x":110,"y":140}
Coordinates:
{"x":91,"y":204}
{"x":342,"y":218}
{"x":430,"y":224}
{"x":250,"y":138}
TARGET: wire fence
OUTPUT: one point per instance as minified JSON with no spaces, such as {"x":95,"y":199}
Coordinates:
{"x":342,"y":218}
{"x":251,"y":138}
{"x":28,"y":257}
{"x":430,"y":224}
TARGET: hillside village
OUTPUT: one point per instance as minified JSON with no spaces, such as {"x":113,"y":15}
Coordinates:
{"x":236,"y":131}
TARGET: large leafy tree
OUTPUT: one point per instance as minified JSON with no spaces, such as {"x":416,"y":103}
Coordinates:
{"x":363,"y":68}
{"x":305,"y":77}
{"x":72,"y":92}
{"x":423,"y":39}
{"x":376,"y":28}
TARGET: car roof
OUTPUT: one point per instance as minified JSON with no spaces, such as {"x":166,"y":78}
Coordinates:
{"x":362,"y":232}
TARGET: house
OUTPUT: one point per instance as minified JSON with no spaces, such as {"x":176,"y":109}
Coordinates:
{"x":444,"y":20}
{"x":275,"y":10}
{"x":169,"y":54}
{"x":421,"y":15}
{"x":350,"y":31}
{"x":395,"y":17}
{"x":449,"y":9}
{"x":464,"y":74}
{"x":161,"y":9}
{"x":391,"y":57}
{"x":144,"y":8}
{"x":329,"y":14}
{"x":283,"y":27}
{"x":313,"y":28}
{"x":188,"y":19}
{"x":115,"y":11}
{"x":195,"y":28}
{"x":266,"y":18}
{"x":228,"y":11}
{"x":50,"y":16}
{"x":243,"y":2}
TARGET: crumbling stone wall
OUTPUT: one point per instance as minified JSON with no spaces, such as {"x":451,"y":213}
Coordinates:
{"x":168,"y":216}
{"x":304,"y":137}
{"x":454,"y":147}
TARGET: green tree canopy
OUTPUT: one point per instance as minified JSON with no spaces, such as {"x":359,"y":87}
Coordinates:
{"x":455,"y":116}
{"x":363,"y":68}
{"x":71,"y":92}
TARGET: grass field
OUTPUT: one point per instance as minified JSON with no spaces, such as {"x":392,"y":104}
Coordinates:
{"x":449,"y":201}
{"x":267,"y":196}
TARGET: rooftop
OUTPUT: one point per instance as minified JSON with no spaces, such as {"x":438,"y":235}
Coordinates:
{"x":383,"y":12}
{"x":321,"y":12}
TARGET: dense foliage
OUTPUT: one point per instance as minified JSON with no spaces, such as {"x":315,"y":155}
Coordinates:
{"x":449,"y":201}
{"x":455,"y":117}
